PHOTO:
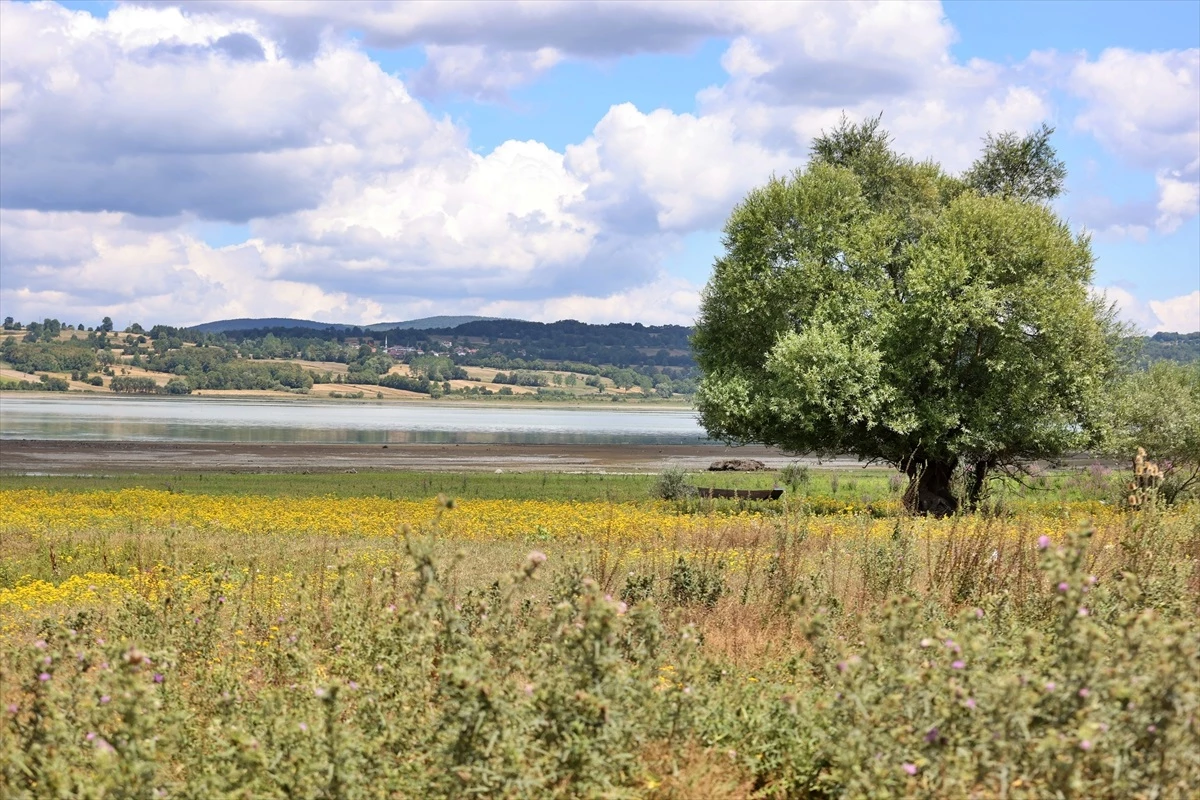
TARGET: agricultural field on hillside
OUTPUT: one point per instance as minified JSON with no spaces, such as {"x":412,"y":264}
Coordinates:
{"x":576,"y":636}
{"x":354,"y":363}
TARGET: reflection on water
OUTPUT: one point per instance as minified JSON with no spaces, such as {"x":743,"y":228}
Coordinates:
{"x":195,"y":419}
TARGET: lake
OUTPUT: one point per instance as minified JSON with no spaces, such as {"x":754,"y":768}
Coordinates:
{"x":232,"y":420}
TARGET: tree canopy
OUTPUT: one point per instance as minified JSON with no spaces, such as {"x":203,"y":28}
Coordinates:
{"x":1159,"y":410}
{"x":876,"y":305}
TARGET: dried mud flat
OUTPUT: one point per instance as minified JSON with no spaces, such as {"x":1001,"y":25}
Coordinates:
{"x":56,"y":457}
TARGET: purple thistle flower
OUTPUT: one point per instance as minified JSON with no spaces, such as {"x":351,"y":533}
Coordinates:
{"x":970,"y":703}
{"x":1084,"y":692}
{"x":1086,"y":744}
{"x":13,"y":708}
{"x":911,"y":769}
{"x":958,"y":664}
{"x":1043,"y":542}
{"x":158,"y":677}
{"x":1064,"y":586}
{"x":1051,"y":686}
{"x":45,"y":676}
{"x":104,"y":699}
{"x":932,"y":735}
{"x":1083,"y":612}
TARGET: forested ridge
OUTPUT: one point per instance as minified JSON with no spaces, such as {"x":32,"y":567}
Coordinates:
{"x":624,"y":355}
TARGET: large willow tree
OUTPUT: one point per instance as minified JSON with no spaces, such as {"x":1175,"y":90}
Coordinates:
{"x":873,"y":305}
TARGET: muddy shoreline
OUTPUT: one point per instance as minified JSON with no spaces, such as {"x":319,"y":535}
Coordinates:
{"x":64,"y":457}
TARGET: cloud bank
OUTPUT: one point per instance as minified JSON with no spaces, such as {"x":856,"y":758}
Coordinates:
{"x":119,"y":136}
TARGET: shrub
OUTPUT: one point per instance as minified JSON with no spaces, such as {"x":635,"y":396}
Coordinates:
{"x":638,"y":587}
{"x":795,"y":475}
{"x":672,"y":484}
{"x":695,"y":584}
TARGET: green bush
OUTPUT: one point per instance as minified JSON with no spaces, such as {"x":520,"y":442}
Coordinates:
{"x":695,"y":584}
{"x":795,"y":475}
{"x":672,"y":484}
{"x":638,"y":588}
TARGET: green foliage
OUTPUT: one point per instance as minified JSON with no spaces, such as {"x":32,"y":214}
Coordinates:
{"x":405,"y":382}
{"x":216,"y":368}
{"x":437,"y":368}
{"x":692,"y":583}
{"x":46,"y":383}
{"x":44,"y":356}
{"x":1061,"y":709}
{"x":395,"y":683}
{"x":1021,"y":168}
{"x":872,"y":305}
{"x":131,"y":385}
{"x":638,"y":588}
{"x":1181,"y":347}
{"x":795,"y":476}
{"x":673,"y":484}
{"x":1159,"y":410}
{"x":519,"y":378}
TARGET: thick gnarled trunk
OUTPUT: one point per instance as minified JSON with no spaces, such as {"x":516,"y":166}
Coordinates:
{"x":929,"y":487}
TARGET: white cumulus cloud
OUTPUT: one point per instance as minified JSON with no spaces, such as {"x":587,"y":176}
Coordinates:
{"x":1145,"y":108}
{"x":1175,"y":314}
{"x":118,"y":134}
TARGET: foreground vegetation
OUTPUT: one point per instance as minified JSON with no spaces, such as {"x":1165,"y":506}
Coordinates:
{"x":289,"y":642}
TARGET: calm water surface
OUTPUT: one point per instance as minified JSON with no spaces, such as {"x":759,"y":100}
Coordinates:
{"x":213,"y":420}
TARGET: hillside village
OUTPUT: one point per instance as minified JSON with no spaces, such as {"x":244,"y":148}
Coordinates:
{"x":476,"y":362}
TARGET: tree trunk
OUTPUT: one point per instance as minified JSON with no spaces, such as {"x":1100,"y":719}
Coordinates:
{"x":929,"y":490}
{"x":975,"y":493}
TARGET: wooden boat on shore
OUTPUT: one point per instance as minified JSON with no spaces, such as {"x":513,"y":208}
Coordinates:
{"x":741,"y":494}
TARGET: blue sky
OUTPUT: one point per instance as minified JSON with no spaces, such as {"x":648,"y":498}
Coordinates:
{"x":388,"y":161}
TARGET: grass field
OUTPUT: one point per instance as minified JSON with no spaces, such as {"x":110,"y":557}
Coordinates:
{"x":551,"y":635}
{"x":873,"y":483}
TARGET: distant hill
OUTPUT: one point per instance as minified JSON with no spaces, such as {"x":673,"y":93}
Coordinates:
{"x":246,"y":324}
{"x":427,"y":323}
{"x":1181,"y":347}
{"x":249,"y":324}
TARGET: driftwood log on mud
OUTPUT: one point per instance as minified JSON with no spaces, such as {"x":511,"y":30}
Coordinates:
{"x":737,"y":465}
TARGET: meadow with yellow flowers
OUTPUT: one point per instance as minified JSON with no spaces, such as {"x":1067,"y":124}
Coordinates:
{"x":164,"y":638}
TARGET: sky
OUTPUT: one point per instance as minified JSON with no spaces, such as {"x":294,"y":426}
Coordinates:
{"x":359,"y":162}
